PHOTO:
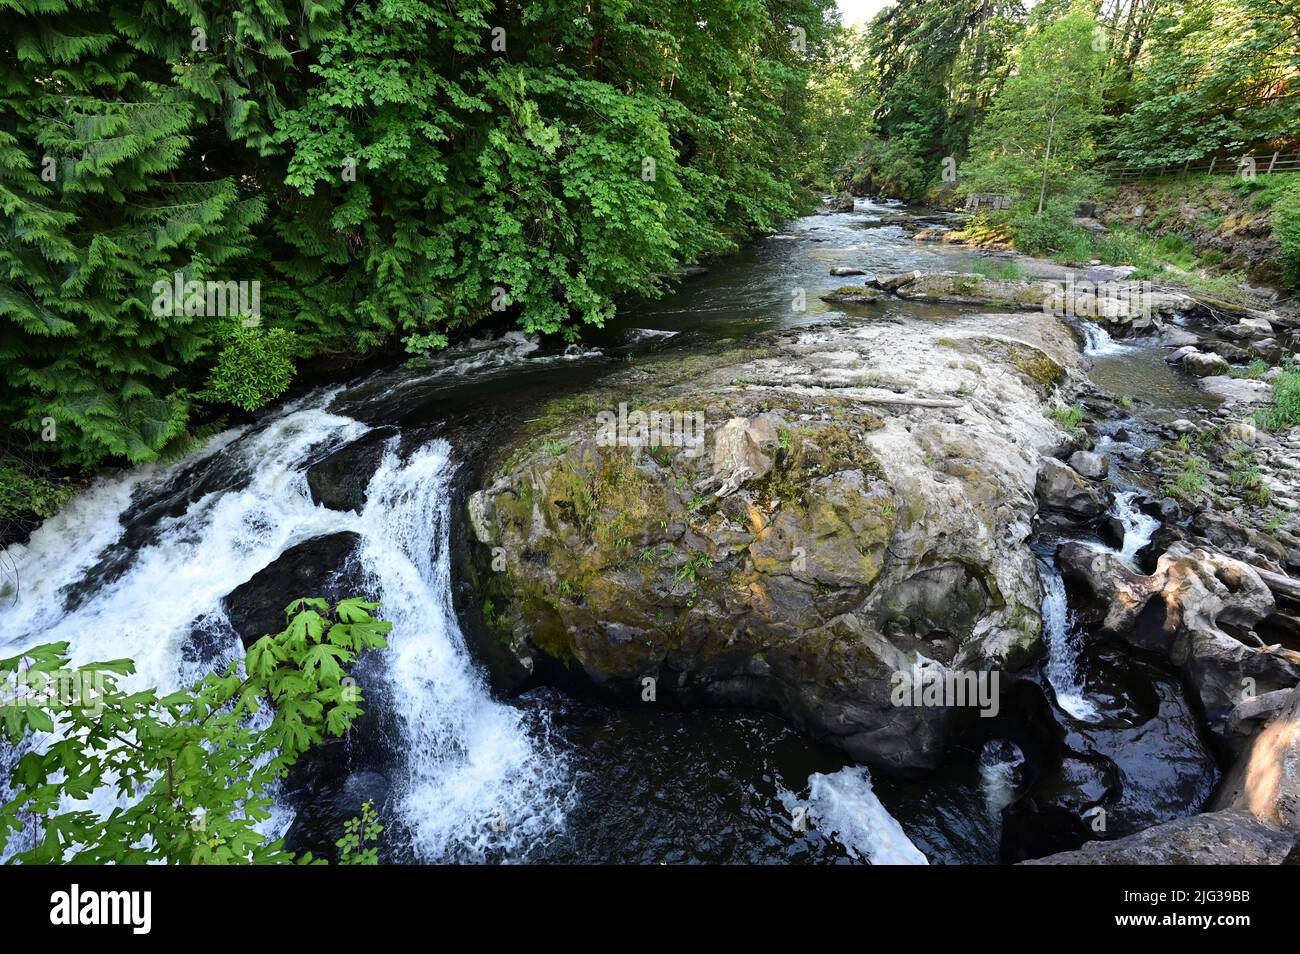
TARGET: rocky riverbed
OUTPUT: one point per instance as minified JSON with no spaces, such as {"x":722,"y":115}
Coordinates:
{"x":932,"y":566}
{"x":861,"y":503}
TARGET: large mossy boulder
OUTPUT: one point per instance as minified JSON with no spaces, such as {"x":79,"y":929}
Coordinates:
{"x":852,"y":505}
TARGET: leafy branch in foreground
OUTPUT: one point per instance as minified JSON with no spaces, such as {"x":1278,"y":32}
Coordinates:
{"x":191,"y":772}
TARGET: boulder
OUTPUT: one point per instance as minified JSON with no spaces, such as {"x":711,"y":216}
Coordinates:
{"x":960,"y":288}
{"x":895,"y":280}
{"x":339,"y":480}
{"x":852,"y":295}
{"x":1238,"y":390}
{"x":1217,"y":838}
{"x":849,"y":524}
{"x":1265,"y":780}
{"x":841,"y":202}
{"x":1060,"y":488}
{"x":1090,"y":465}
{"x":1203,"y":365}
{"x":1245,"y":543}
{"x":315,"y":567}
{"x":1189,"y":611}
{"x":1248,"y":328}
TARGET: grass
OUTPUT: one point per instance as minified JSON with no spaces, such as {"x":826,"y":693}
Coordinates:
{"x":1069,"y":416}
{"x":1254,"y":371}
{"x":1190,"y":479}
{"x":1284,"y":412}
{"x":1003,"y":271}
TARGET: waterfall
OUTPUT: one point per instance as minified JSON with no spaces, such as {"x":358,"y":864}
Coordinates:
{"x":476,"y":778}
{"x":1097,"y":340}
{"x":1063,"y":638}
{"x":844,"y":806}
{"x":1139,"y":527}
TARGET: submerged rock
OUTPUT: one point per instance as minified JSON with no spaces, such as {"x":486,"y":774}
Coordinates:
{"x":1137,"y":761}
{"x":857,"y":511}
{"x":852,"y":295}
{"x":339,"y":480}
{"x":312,"y":568}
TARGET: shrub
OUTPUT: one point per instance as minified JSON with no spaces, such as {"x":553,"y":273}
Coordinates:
{"x":254,"y":367}
{"x":196,"y":770}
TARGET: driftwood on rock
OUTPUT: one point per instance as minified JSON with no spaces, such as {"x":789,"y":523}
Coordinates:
{"x":1283,"y":586}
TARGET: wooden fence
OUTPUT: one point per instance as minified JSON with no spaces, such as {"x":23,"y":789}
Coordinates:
{"x":1244,"y":165}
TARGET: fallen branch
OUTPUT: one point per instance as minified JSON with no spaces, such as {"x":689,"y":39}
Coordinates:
{"x":1281,"y":585}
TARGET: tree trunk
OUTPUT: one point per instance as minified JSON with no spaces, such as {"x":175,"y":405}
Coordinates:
{"x":1047,"y":155}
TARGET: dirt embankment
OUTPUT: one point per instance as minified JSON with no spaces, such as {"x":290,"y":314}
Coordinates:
{"x":1227,"y":227}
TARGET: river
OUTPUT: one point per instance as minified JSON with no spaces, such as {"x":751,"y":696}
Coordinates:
{"x":473,"y":771}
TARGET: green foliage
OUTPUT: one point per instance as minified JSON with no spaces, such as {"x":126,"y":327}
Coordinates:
{"x":254,"y":366}
{"x":1286,"y":227}
{"x":192,"y":772}
{"x":23,"y":491}
{"x":932,"y":68}
{"x":357,"y":833}
{"x":1004,"y":271}
{"x":1037,"y":137}
{"x":1284,"y":412}
{"x":1069,"y":416}
{"x":386,"y":170}
{"x":1214,"y":75}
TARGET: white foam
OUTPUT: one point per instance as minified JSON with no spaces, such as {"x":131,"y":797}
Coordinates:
{"x":845,"y":806}
{"x":477,"y":777}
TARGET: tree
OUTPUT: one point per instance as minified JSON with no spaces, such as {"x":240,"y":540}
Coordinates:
{"x":1218,"y":75}
{"x":1038,"y":136}
{"x":192,"y":771}
{"x":386,"y":171}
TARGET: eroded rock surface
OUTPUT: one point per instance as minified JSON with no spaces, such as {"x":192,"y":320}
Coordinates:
{"x":1216,"y":838}
{"x":859,"y":507}
{"x":1196,"y":610}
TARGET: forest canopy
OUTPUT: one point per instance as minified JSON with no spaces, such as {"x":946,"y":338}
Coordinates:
{"x":381,"y":173}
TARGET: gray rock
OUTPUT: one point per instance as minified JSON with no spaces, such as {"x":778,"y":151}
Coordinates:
{"x":895,"y":280}
{"x":1060,"y":488}
{"x":1203,"y":365}
{"x":339,"y":480}
{"x":1265,"y":780}
{"x":313,"y":568}
{"x":1091,"y":465}
{"x":1238,"y":390}
{"x":860,"y":541}
{"x":1186,"y":611}
{"x":1217,"y":838}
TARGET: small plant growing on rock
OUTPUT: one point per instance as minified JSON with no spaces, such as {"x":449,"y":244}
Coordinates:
{"x":1069,"y":416}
